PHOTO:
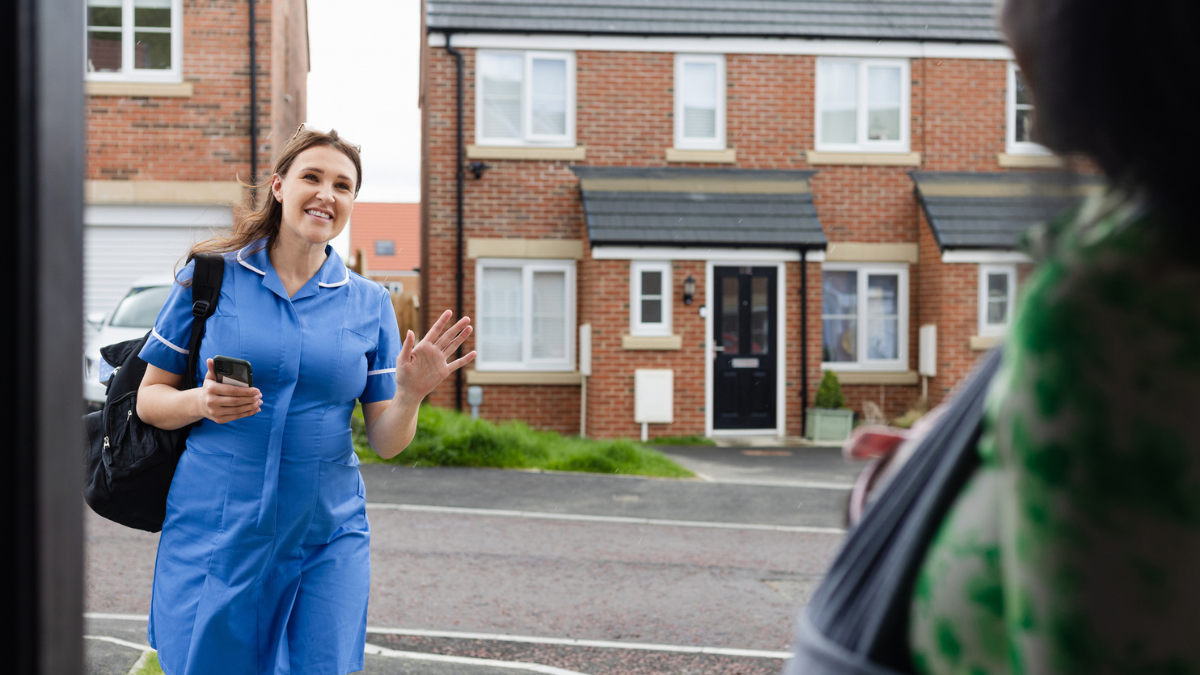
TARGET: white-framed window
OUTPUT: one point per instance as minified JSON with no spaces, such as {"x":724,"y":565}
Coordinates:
{"x":862,"y":105}
{"x":525,"y":314}
{"x":700,"y":101}
{"x":137,"y":40}
{"x":864,"y":317}
{"x":649,"y":298}
{"x":524,"y":98}
{"x":997,"y":292}
{"x":1020,"y":116}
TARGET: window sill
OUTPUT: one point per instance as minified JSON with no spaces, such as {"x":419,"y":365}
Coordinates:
{"x":981,"y":343}
{"x":878,"y":377}
{"x":522,"y":377}
{"x":657,"y":342}
{"x":139,"y":89}
{"x":864,"y":158}
{"x":1038,"y":161}
{"x":702,"y":156}
{"x":576,"y":153}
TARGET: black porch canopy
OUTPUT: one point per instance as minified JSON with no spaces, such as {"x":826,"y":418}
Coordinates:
{"x":991,"y":210}
{"x":699,"y":207}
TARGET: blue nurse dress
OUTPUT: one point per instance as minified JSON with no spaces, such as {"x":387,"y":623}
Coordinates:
{"x":263,"y":562}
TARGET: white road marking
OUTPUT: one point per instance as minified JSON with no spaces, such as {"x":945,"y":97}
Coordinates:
{"x":119,"y":641}
{"x":538,"y":515}
{"x":116,"y":617}
{"x":467,"y":660}
{"x":809,"y":484}
{"x":573,"y":642}
{"x":501,"y":637}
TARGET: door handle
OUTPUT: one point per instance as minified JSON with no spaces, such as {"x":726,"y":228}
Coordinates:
{"x":718,"y":349}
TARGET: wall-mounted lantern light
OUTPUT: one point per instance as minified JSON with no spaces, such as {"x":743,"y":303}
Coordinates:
{"x":477,"y":168}
{"x":689,"y":290}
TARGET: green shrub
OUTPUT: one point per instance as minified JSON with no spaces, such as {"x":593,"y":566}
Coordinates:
{"x":829,"y":392}
{"x":449,"y":438}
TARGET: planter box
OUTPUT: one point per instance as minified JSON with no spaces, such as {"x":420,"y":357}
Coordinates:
{"x":828,"y":424}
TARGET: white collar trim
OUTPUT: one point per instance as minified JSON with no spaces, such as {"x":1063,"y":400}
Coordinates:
{"x":248,"y":265}
{"x":322,"y":284}
{"x":343,"y":282}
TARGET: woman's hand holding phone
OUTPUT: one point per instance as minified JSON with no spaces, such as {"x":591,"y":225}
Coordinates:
{"x":223,"y":403}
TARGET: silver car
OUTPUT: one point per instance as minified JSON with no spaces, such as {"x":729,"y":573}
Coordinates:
{"x":131,"y":318}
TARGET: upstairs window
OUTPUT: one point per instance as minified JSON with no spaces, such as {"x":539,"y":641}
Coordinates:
{"x":525,"y":98}
{"x":525,"y":314}
{"x":997,"y":291}
{"x":650,"y":298}
{"x":862,"y":105}
{"x":864,"y":317}
{"x":1020,"y":116}
{"x":699,"y":102}
{"x":133,"y":40}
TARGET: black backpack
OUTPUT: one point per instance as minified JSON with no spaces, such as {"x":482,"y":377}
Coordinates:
{"x":130,"y":464}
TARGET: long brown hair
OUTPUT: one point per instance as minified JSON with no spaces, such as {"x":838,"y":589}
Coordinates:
{"x":254,"y":221}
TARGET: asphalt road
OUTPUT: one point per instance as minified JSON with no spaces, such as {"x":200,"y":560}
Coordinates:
{"x":504,"y":566}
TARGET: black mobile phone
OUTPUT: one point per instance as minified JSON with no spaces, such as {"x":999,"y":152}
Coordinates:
{"x":233,"y":371}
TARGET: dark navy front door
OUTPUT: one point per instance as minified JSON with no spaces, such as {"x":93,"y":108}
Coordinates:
{"x":744,"y":331}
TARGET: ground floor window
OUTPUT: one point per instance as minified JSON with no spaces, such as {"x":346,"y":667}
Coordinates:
{"x":864,"y":316}
{"x":997,"y":289}
{"x":525,"y":314}
{"x":650,"y":298}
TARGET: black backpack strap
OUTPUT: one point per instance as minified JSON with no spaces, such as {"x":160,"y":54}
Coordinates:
{"x":206,"y":290}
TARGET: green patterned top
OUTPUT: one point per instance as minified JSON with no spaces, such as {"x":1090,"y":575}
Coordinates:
{"x":1075,"y":548}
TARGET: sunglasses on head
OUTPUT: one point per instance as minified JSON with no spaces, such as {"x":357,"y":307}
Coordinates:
{"x":304,"y":127}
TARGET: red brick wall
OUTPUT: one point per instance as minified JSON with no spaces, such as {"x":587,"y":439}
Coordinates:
{"x":624,"y":118}
{"x":552,"y":407}
{"x":206,"y":137}
{"x":604,"y":303}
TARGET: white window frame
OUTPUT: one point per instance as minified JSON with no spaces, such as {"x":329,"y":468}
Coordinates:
{"x":864,"y":270}
{"x":1010,"y":271}
{"x":528,"y":267}
{"x":528,"y":138}
{"x":129,"y":74}
{"x":864,"y":145}
{"x":682,"y":142}
{"x":1012,"y":146}
{"x":636,"y":327}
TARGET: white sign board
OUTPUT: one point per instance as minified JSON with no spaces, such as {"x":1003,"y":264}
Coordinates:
{"x":653,"y":396}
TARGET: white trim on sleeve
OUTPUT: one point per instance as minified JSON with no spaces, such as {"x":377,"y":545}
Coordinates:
{"x":154,"y":332}
{"x":381,"y":372}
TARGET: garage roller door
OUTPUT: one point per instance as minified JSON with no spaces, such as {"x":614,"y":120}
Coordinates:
{"x":115,"y":256}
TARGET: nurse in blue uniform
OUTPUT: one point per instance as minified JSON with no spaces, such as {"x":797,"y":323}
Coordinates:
{"x":263,"y":563}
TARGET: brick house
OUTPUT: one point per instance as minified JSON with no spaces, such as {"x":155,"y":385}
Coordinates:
{"x":730,"y":199}
{"x":389,"y":236}
{"x":171,"y":114}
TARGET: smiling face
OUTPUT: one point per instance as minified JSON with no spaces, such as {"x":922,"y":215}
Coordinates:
{"x":317,"y":195}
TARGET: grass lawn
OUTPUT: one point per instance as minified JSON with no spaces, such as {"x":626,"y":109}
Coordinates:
{"x":449,"y":438}
{"x":694,"y":439}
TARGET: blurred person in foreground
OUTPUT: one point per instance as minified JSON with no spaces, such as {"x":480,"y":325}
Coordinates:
{"x":1076,"y":547}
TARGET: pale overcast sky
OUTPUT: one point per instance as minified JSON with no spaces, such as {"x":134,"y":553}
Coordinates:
{"x":364,"y":83}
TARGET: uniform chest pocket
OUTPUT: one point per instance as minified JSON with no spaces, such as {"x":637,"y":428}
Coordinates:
{"x":352,"y":371}
{"x":341,"y":505}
